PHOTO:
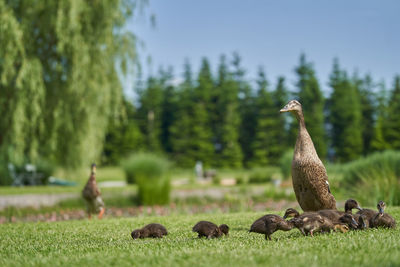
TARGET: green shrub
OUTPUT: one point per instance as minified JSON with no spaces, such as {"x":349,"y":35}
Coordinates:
{"x":374,"y":178}
{"x":285,"y":163}
{"x":5,"y":178}
{"x":260,"y":175}
{"x":240,"y":179}
{"x":151,"y":173}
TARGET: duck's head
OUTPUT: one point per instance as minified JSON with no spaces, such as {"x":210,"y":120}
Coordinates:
{"x":381,"y":207}
{"x":290,"y":212}
{"x":362,"y":221}
{"x":351,"y":204}
{"x":93,"y":168}
{"x":135,"y":234}
{"x":349,"y":220}
{"x":224,"y":229}
{"x":341,"y":227}
{"x":292,"y":106}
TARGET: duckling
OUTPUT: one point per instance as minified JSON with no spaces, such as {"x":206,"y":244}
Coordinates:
{"x":362,"y":220}
{"x":341,"y":227}
{"x":311,"y":223}
{"x":349,"y":220}
{"x":210,"y":230}
{"x":334,"y":215}
{"x":154,"y":230}
{"x":383,"y":219}
{"x":369,"y":214}
{"x":270,"y":223}
{"x":92,"y":196}
{"x":309,"y":177}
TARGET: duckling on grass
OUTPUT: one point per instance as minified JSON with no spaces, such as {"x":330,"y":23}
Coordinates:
{"x":154,"y":230}
{"x":210,"y":230}
{"x":270,"y":223}
{"x":383,"y":219}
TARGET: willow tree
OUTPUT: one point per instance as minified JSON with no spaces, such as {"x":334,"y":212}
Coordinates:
{"x":59,"y":76}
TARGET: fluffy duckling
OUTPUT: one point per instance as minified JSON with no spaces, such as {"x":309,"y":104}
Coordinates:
{"x":362,"y":220}
{"x":334,"y":215}
{"x":311,"y":223}
{"x":154,"y":230}
{"x":270,"y":223}
{"x":383,"y":219}
{"x":210,"y":230}
{"x":349,"y":220}
{"x":92,"y":196}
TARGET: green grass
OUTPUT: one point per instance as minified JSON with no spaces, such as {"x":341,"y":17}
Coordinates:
{"x":108,"y":242}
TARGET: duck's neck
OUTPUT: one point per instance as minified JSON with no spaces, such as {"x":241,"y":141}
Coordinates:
{"x":304,"y":144}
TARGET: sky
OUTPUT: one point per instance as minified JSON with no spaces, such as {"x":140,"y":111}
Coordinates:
{"x":363,"y":34}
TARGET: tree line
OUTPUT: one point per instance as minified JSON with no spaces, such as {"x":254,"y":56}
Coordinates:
{"x":224,"y":120}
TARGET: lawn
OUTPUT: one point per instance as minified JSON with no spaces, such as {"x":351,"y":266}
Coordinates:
{"x":108,"y":242}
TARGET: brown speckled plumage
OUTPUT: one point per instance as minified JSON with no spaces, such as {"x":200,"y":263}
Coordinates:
{"x":382,"y":219}
{"x":309,"y":177}
{"x":270,"y":223}
{"x":312,"y":222}
{"x":210,"y":230}
{"x":334,"y":215}
{"x":154,"y":230}
{"x":92,"y":196}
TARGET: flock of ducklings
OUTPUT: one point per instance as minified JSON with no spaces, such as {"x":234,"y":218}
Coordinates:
{"x":307,"y":222}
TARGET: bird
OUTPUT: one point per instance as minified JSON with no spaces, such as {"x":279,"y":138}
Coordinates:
{"x":92,"y":196}
{"x":312,"y":222}
{"x":270,"y":223}
{"x":210,"y":230}
{"x":369,"y":214}
{"x":362,"y":220}
{"x":154,"y":230}
{"x":383,"y":219}
{"x":309,"y":177}
{"x":334,"y":215}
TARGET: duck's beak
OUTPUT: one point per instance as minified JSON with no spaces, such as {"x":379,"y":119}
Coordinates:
{"x":285,"y":216}
{"x":284,"y":109}
{"x":380,"y":211}
{"x":359,"y":208}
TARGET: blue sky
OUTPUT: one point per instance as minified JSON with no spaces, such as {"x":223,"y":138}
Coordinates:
{"x":363,"y":34}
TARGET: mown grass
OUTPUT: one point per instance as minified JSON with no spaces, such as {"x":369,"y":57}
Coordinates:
{"x":108,"y":242}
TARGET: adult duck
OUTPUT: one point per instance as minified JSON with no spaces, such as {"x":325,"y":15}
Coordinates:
{"x":309,"y":177}
{"x":92,"y":196}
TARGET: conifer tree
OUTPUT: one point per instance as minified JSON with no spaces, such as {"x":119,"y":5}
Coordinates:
{"x":392,"y":124}
{"x":264,"y":139}
{"x":228,"y":150}
{"x":182,"y":129}
{"x":345,"y":116}
{"x":378,"y":142}
{"x":280,"y":98}
{"x":312,"y":100}
{"x":247,"y":109}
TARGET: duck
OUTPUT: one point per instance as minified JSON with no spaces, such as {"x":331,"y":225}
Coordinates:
{"x":309,"y":176}
{"x":311,"y":223}
{"x":334,"y":215}
{"x":92,"y":196}
{"x":342,"y":222}
{"x":269,"y":224}
{"x":154,"y":230}
{"x":370,"y":214}
{"x":210,"y":230}
{"x":362,"y":220}
{"x":383,"y":219}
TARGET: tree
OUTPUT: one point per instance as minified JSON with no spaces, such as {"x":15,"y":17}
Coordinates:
{"x":280,"y":98}
{"x":365,"y":89}
{"x":392,"y":125}
{"x":247,"y":109}
{"x":59,"y":79}
{"x":378,"y":142}
{"x":226,"y":127}
{"x":345,"y":116}
{"x":264,"y":140}
{"x":312,"y":100}
{"x":181,"y":130}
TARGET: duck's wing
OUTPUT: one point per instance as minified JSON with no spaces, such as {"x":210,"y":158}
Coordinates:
{"x":90,"y":191}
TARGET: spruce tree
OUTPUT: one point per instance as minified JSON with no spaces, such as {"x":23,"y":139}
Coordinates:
{"x":345,"y":116}
{"x":182,"y":129}
{"x":226,"y":127}
{"x":378,"y":142}
{"x":365,"y":89}
{"x":247,"y":109}
{"x":280,"y":98}
{"x":312,"y":100}
{"x":392,"y":125}
{"x":264,"y":140}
